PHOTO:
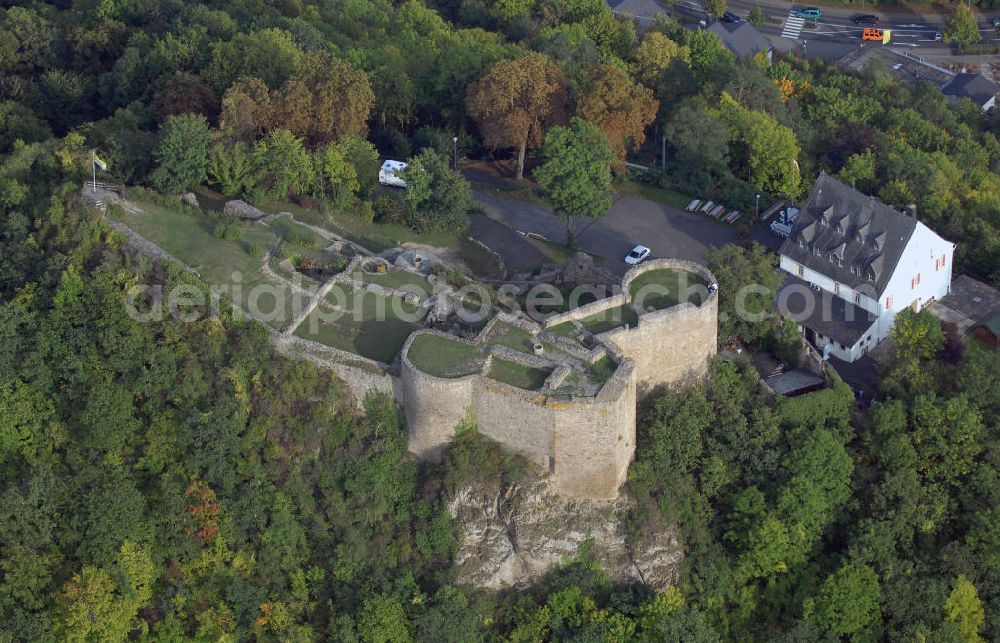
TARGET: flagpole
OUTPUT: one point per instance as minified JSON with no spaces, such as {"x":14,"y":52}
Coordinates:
{"x":93,"y":166}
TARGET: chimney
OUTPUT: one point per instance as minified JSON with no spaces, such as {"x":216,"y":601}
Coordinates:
{"x":912,"y":210}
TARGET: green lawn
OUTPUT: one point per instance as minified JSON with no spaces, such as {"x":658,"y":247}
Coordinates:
{"x":513,"y":337}
{"x":369,"y":325}
{"x":566,"y":329}
{"x":602,"y":370}
{"x":396,"y":278}
{"x":442,"y":357}
{"x":610,"y":318}
{"x":649,"y":287}
{"x":660,"y":195}
{"x":296,"y":234}
{"x":227,"y":265}
{"x":518,"y":375}
{"x":374,"y":236}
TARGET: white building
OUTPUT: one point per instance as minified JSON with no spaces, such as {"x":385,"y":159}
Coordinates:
{"x":854,"y":262}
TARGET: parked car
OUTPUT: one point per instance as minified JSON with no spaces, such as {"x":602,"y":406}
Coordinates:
{"x":936,"y":36}
{"x":388,"y":174}
{"x":809,"y":13}
{"x":729,"y":16}
{"x":996,"y":23}
{"x":637,"y":255}
{"x":866,"y":20}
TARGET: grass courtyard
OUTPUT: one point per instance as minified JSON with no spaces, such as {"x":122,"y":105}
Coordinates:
{"x":444,"y":357}
{"x":361,"y":322}
{"x":652,"y":290}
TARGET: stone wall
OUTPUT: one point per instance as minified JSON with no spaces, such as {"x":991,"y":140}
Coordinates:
{"x":673,"y":346}
{"x":585,"y":443}
{"x":594,"y":307}
{"x":594,"y":438}
{"x":361,"y":375}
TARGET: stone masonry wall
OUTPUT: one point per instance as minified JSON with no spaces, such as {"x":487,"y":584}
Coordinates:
{"x":585,"y":443}
{"x":670,"y":347}
{"x":673,"y":346}
{"x":594,"y":439}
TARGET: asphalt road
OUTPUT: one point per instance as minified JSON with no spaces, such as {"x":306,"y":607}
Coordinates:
{"x":667,"y":231}
{"x":834,"y":36}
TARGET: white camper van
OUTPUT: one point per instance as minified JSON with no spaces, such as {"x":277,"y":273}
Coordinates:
{"x":389,"y":173}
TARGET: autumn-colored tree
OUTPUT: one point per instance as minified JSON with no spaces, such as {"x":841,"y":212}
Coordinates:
{"x":203,"y":509}
{"x":327,"y":100}
{"x":515,"y":101}
{"x":618,"y":107}
{"x":246,"y":109}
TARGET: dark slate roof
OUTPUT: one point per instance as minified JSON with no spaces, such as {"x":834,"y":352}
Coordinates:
{"x":796,"y":382}
{"x":741,"y":38}
{"x":974,"y":86}
{"x":972,"y":298}
{"x":823,"y":312}
{"x":854,"y":239}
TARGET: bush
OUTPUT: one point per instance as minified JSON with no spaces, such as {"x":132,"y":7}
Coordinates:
{"x":364,"y":211}
{"x":388,"y":208}
{"x":228,"y":230}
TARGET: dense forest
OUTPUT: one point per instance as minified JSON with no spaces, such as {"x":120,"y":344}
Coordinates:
{"x":170,"y":481}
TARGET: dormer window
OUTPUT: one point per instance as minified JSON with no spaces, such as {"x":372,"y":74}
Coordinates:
{"x":802,"y":244}
{"x":840,"y":262}
{"x":875,"y":244}
{"x":839,"y":228}
{"x":871,"y":275}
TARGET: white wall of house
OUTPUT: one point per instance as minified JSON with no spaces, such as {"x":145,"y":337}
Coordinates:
{"x":922,"y":275}
{"x":832,"y":286}
{"x":848,"y":353}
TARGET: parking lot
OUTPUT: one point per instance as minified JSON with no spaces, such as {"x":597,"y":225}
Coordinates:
{"x":666,"y":230}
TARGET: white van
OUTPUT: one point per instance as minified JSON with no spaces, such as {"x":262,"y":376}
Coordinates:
{"x":388,"y":174}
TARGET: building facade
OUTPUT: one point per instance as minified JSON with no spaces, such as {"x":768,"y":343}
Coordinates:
{"x":854,"y":263}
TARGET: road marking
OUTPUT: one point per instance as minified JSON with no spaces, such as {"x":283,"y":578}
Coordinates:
{"x":793,"y":26}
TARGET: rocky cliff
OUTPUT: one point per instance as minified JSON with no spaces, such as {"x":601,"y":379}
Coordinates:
{"x":514,"y":534}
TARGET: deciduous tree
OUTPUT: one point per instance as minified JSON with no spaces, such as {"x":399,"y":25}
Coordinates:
{"x":962,"y":27}
{"x":655,"y":55}
{"x":327,"y":100}
{"x":286,"y":164}
{"x":847,"y":601}
{"x":620,"y":108}
{"x":965,"y":610}
{"x":515,"y":101}
{"x":182,"y":154}
{"x":576,"y":174}
{"x":247,"y":110}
